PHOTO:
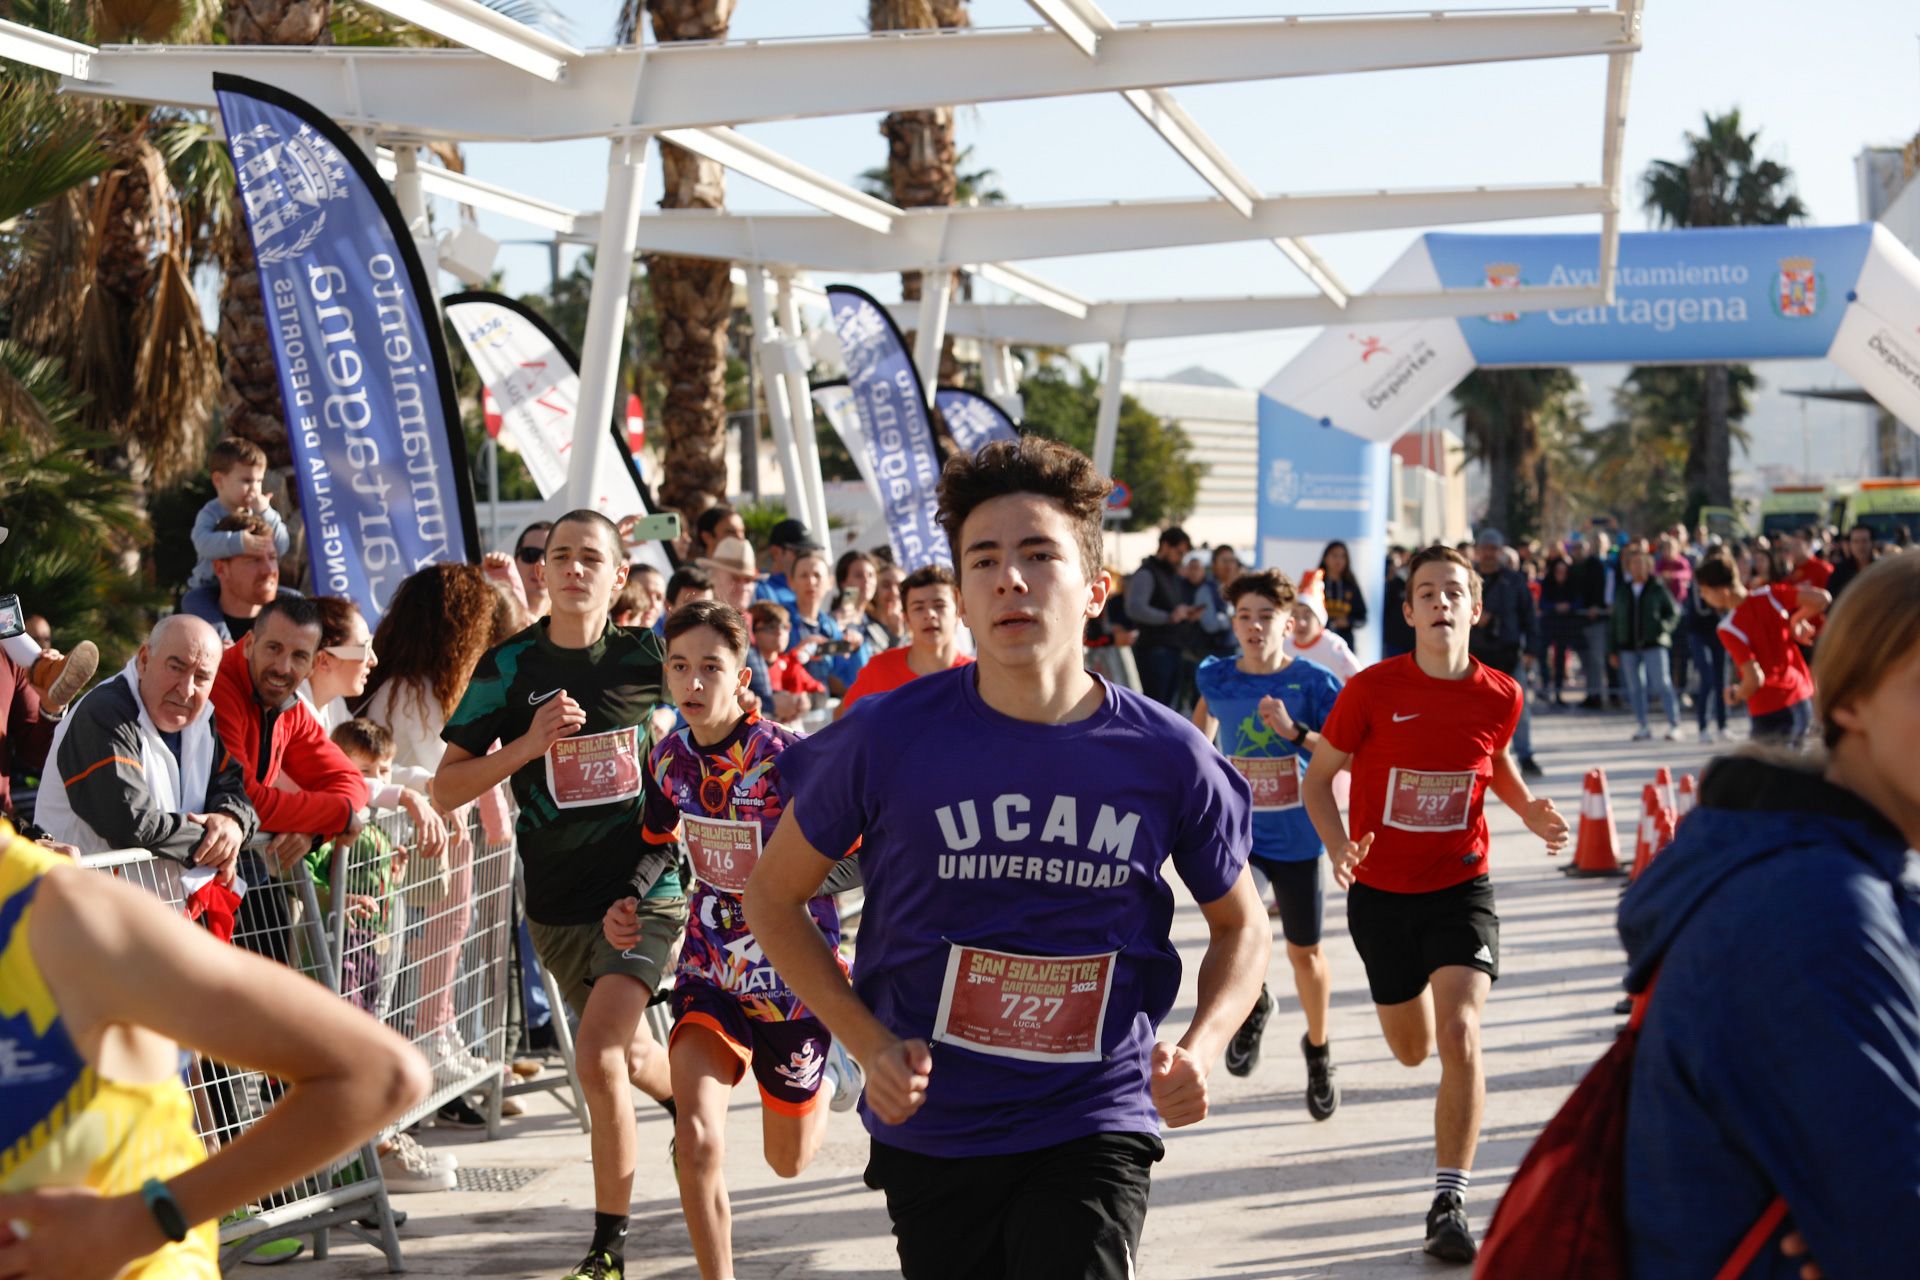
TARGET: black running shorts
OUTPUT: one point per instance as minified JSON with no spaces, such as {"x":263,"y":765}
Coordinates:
{"x":1300,"y":891}
{"x":1067,"y":1212}
{"x":1403,"y":937}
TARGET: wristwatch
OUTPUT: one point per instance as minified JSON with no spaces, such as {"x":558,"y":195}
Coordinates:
{"x":165,"y":1209}
{"x":1299,"y":735}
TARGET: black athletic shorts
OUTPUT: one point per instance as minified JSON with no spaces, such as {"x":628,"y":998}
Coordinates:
{"x":1403,"y":937}
{"x":1067,"y":1212}
{"x":1300,"y":891}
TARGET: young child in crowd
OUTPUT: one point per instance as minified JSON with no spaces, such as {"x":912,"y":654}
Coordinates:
{"x":374,"y":871}
{"x":239,"y":468}
{"x":786,"y":670}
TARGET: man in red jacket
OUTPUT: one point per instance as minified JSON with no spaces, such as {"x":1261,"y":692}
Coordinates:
{"x":272,"y":734}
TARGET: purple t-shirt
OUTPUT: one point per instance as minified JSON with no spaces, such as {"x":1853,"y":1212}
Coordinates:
{"x":988,"y":842}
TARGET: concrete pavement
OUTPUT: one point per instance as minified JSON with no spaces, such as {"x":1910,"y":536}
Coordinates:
{"x":1259,"y":1191}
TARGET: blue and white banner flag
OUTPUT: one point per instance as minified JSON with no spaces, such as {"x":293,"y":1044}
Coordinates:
{"x":365,"y":385}
{"x":892,"y":408}
{"x":972,"y":419}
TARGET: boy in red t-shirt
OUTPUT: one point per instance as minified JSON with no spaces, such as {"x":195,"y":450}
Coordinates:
{"x":1426,"y":735}
{"x":1762,"y":633}
{"x":930,"y":601}
{"x":786,"y":672}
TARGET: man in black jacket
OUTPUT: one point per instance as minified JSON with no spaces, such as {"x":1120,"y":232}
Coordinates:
{"x":1504,"y":636}
{"x":1597,"y":583}
{"x":1159,"y":600}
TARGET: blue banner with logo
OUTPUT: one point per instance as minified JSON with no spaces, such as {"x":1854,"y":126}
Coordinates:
{"x":1719,"y":293}
{"x":972,"y":419}
{"x":365,"y":384}
{"x":892,"y":406}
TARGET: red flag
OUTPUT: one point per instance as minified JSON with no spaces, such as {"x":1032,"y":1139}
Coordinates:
{"x":490,"y":414}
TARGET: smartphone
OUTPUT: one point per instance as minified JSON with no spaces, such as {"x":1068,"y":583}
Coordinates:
{"x":12,"y":620}
{"x":663,"y":526}
{"x":849,"y":599}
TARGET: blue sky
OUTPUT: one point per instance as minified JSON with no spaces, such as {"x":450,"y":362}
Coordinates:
{"x":1818,"y":87}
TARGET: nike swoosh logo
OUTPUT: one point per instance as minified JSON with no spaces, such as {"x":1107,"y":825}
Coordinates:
{"x":534,"y":702}
{"x":1397,"y":717}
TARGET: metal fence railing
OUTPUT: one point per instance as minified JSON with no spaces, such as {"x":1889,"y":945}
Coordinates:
{"x":421,"y":944}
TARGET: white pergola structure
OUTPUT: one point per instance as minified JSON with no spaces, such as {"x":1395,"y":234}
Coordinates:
{"x":511,"y":83}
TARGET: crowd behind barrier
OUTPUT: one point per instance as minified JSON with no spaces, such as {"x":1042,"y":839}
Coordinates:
{"x":423,"y":945}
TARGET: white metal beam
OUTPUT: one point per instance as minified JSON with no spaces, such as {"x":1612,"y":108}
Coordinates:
{"x":1110,"y":322}
{"x":485,"y":195}
{"x":1612,"y":140}
{"x":607,"y":302}
{"x":52,"y":53}
{"x":458,"y":95}
{"x":1032,"y":288}
{"x":789,"y":177}
{"x":1072,"y":19}
{"x":1314,"y":268}
{"x":959,"y":236}
{"x":484,"y":31}
{"x":1170,"y":120}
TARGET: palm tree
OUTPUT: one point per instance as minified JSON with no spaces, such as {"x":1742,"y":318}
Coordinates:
{"x":692,"y":297}
{"x":1639,"y":460}
{"x":922,"y":161}
{"x":1722,"y":182}
{"x":1502,"y":411}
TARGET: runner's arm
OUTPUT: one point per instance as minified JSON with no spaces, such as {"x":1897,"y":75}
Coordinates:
{"x":347,"y":1074}
{"x":1203,"y":720}
{"x":1239,"y":943}
{"x":464,"y":776}
{"x":789,"y":874}
{"x":1322,"y":809}
{"x":1537,"y":811}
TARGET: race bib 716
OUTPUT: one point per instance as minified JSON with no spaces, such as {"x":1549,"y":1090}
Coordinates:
{"x":723,"y":851}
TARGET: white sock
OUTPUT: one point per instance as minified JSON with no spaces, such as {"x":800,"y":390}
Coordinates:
{"x":1455,"y":1180}
{"x":23,"y":649}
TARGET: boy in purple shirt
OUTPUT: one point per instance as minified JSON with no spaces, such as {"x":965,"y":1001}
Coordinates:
{"x":1015,"y":818}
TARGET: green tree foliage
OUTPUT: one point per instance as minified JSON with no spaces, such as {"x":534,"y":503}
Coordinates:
{"x":1502,"y":412}
{"x":1151,"y":454}
{"x":1637,"y":463}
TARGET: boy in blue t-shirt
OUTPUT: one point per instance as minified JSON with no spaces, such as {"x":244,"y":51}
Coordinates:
{"x":1269,"y":709}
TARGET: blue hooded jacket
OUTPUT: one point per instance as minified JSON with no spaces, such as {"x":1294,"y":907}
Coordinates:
{"x":1781,"y":1049}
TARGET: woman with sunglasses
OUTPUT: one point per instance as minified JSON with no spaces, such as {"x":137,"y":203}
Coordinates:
{"x":530,"y":561}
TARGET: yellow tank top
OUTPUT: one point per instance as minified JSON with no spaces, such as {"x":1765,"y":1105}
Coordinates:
{"x":61,"y":1125}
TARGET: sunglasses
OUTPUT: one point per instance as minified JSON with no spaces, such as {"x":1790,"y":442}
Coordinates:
{"x":350,"y":652}
{"x":531,"y":555}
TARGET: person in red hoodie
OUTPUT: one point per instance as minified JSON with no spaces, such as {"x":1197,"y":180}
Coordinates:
{"x":261,"y":720}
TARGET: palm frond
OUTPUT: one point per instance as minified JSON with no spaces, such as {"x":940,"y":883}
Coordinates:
{"x":52,"y":144}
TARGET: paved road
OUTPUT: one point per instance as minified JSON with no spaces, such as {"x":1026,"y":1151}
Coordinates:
{"x":1257,"y":1192}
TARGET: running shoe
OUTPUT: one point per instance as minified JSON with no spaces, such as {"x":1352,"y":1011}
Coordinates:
{"x":444,"y":1159}
{"x":848,"y":1079}
{"x":1323,"y":1091}
{"x":1530,"y":768}
{"x":1243,"y":1051}
{"x":1448,"y":1237}
{"x":598,"y":1265}
{"x":1643,"y":735}
{"x":458,"y":1114}
{"x":406,"y":1169}
{"x":59,"y":680}
{"x":1673,"y":733}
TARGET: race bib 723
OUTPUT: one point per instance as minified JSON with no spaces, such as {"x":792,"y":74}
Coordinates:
{"x":600,"y":768}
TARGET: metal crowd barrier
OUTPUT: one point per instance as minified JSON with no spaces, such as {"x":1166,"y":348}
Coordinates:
{"x":422,"y":945}
{"x":278,"y":918}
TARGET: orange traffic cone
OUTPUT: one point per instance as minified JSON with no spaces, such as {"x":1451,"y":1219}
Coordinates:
{"x":1663,"y":825}
{"x":1644,"y":845}
{"x":1598,"y":851}
{"x":1688,"y":797}
{"x":1663,"y":779}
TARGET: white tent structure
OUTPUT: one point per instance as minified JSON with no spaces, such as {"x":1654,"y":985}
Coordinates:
{"x":513,"y":83}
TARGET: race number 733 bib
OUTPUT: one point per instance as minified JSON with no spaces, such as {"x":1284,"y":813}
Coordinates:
{"x":723,"y":850}
{"x":1418,"y":801}
{"x":600,"y":768}
{"x":1275,"y":781}
{"x":1036,"y":1008}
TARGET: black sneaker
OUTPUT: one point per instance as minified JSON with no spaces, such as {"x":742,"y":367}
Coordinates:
{"x":458,"y":1114}
{"x":1530,"y":768}
{"x":1448,"y":1238}
{"x":1323,"y":1091}
{"x":598,"y":1265}
{"x":1243,"y":1051}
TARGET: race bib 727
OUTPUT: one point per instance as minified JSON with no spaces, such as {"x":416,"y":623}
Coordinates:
{"x":1036,"y":1008}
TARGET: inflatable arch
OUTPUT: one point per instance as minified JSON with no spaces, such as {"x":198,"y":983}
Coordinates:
{"x":1850,"y":294}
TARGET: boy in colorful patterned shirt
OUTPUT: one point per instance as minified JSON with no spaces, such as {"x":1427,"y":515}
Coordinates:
{"x":719,"y":784}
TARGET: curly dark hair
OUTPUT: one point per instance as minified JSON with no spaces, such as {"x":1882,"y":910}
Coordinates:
{"x":1033,"y":465}
{"x":433,"y":633}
